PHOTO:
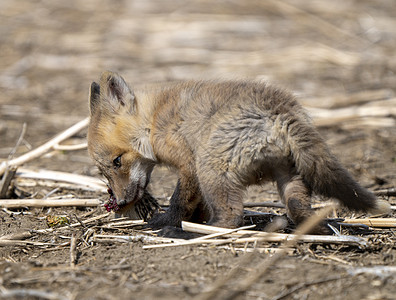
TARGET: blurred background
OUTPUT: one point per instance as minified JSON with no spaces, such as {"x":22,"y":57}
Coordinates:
{"x":326,"y":52}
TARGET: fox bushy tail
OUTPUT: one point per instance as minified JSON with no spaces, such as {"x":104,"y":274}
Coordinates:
{"x":323,"y":173}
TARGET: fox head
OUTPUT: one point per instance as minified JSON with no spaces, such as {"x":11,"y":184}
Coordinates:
{"x":119,"y":139}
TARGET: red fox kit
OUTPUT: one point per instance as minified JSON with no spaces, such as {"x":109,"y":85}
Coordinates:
{"x":221,"y":137}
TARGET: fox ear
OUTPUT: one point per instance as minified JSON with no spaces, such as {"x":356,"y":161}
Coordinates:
{"x":94,"y":97}
{"x":116,"y":92}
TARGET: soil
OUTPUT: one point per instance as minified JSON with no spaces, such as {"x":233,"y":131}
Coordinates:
{"x":52,"y":50}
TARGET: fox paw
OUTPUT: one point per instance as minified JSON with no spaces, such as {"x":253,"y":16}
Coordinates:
{"x":161,"y":220}
{"x":176,"y":232}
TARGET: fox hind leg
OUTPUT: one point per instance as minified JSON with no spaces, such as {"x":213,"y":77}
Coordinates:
{"x":297,"y":198}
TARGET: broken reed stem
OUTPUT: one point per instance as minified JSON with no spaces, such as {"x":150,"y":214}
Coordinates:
{"x":73,"y":252}
{"x":6,"y":180}
{"x":17,"y":236}
{"x":88,"y":182}
{"x":29,"y":294}
{"x":45,"y":147}
{"x":19,"y":203}
{"x":276,"y":237}
{"x":4,"y":243}
{"x":264,"y":204}
{"x":101,"y":238}
{"x":386,"y":192}
{"x":70,"y":147}
{"x":373,"y":222}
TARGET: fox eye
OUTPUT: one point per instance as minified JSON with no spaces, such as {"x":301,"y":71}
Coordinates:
{"x":117,"y":162}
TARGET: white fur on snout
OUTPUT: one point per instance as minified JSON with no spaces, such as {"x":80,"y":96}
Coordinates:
{"x":138,"y":172}
{"x":139,"y":176}
{"x":138,"y":179}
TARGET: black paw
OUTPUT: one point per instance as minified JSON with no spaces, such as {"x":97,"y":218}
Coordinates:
{"x":177,"y":233}
{"x":159,"y":221}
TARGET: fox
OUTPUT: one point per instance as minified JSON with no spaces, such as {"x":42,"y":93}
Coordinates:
{"x":220,"y":136}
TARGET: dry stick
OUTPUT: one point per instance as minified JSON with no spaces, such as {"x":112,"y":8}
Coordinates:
{"x":45,"y":147}
{"x":70,"y":147}
{"x":386,"y":192}
{"x":21,"y":243}
{"x":326,"y":117}
{"x":29,"y":294}
{"x":130,"y":238}
{"x":373,"y":222}
{"x":18,"y":203}
{"x":73,"y":246}
{"x":17,"y":236}
{"x":206,"y":239}
{"x":80,"y":180}
{"x":209,"y":241}
{"x":260,"y":237}
{"x":18,"y":143}
{"x":10,"y":170}
{"x":263,"y":267}
{"x":6,"y":180}
{"x":276,"y":237}
{"x":264,"y":204}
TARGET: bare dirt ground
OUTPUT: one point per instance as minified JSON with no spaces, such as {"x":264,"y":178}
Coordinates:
{"x":324,"y":51}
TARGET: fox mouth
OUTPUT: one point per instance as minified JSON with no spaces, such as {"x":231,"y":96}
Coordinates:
{"x":113,"y":205}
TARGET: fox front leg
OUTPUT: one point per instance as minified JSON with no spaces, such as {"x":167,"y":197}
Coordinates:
{"x":185,"y":204}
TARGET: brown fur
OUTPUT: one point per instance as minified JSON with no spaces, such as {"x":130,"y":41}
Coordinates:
{"x":220,"y":137}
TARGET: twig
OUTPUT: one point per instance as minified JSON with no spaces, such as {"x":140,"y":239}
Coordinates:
{"x":124,"y":224}
{"x":207,"y":239}
{"x":21,"y":243}
{"x":18,"y":143}
{"x":45,"y":147}
{"x":25,"y":294}
{"x":73,"y":246}
{"x":18,"y":203}
{"x":6,"y":180}
{"x":264,"y":250}
{"x":327,"y":117}
{"x":386,"y":192}
{"x":264,"y":204}
{"x":80,"y":180}
{"x":218,"y":234}
{"x":277,"y":237}
{"x":70,"y":147}
{"x":373,"y":222}
{"x":17,"y":236}
{"x":131,"y":238}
